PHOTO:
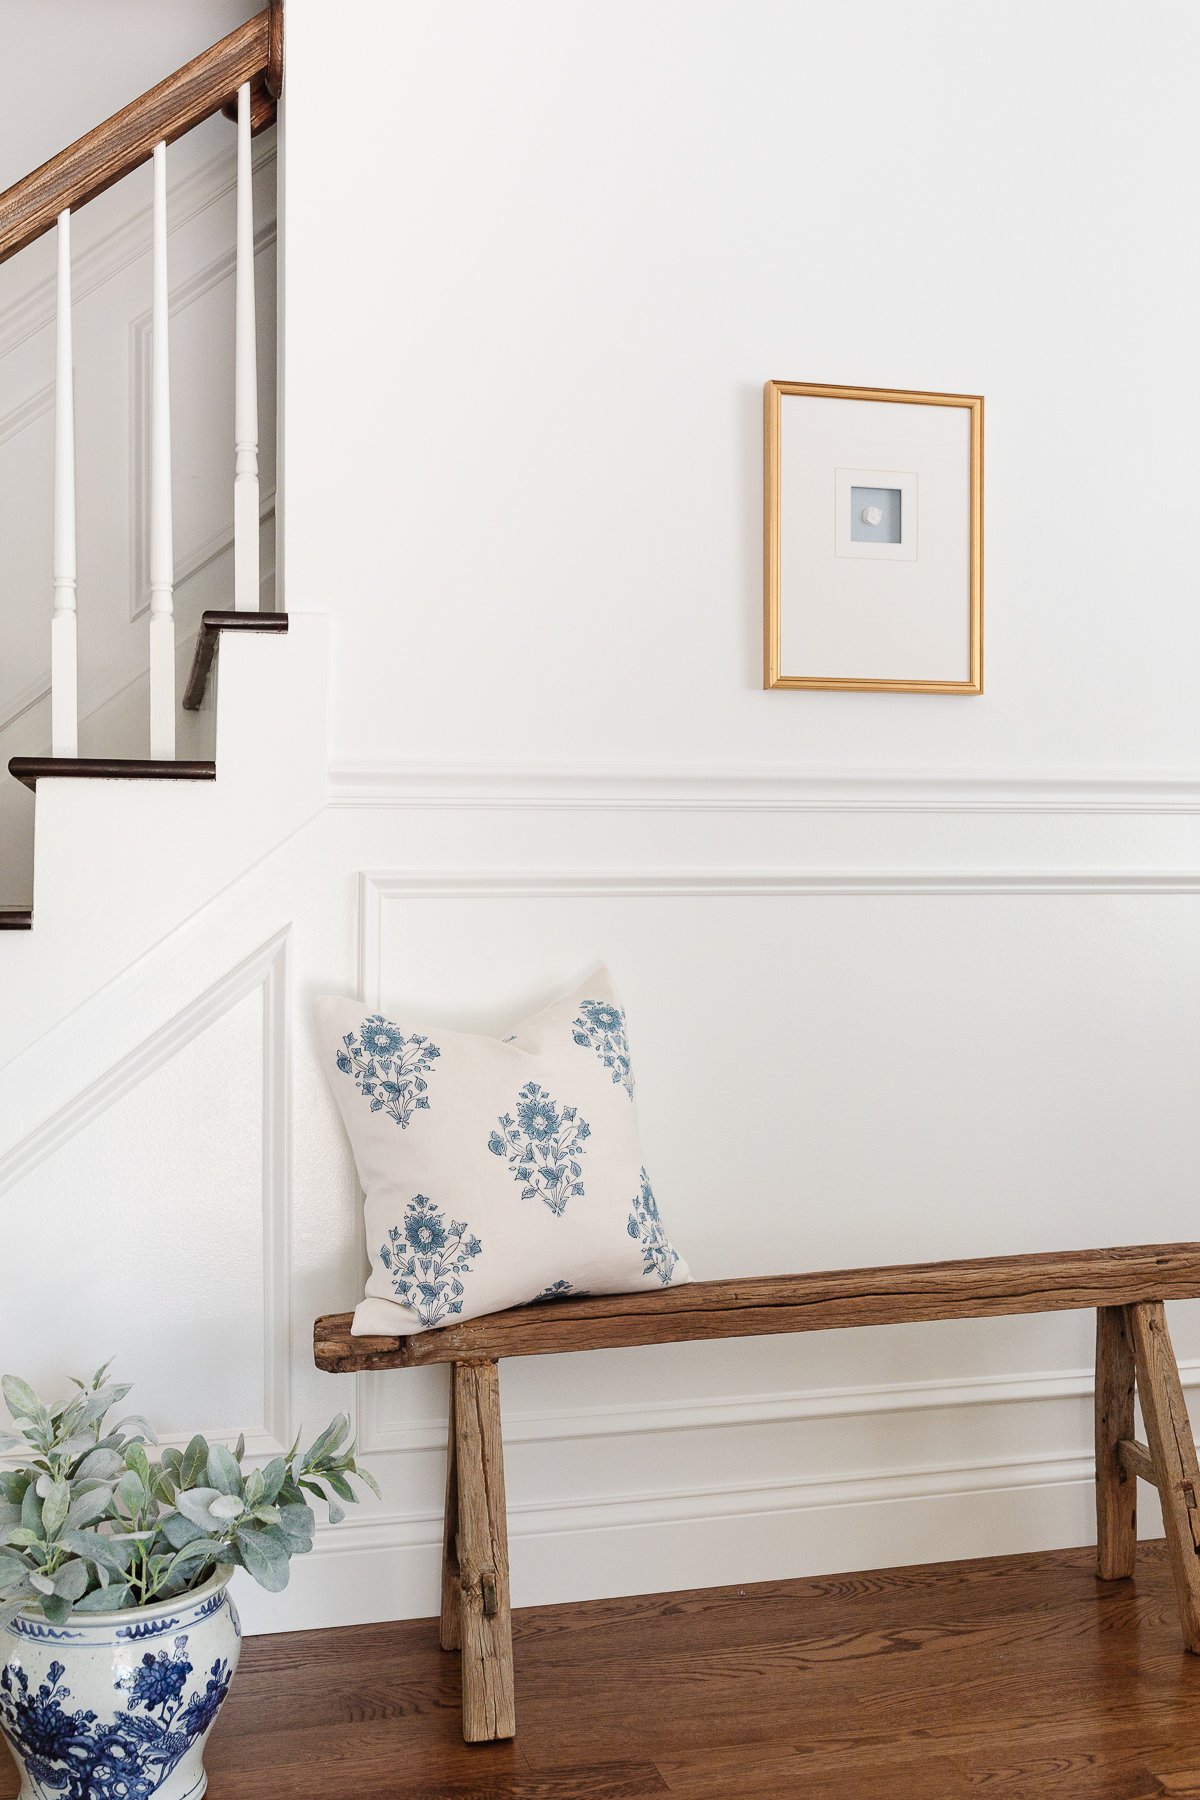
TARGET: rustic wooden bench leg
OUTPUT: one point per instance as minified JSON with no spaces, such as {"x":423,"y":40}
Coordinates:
{"x":1116,"y":1486}
{"x":486,"y":1623}
{"x":451,"y":1630}
{"x":1173,"y":1454}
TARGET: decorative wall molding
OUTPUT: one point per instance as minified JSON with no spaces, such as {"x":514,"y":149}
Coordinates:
{"x":375,"y":887}
{"x":746,"y":1500}
{"x":379,"y":1434}
{"x":113,"y":251}
{"x":26,"y":413}
{"x":667,"y":789}
{"x":189,"y":560}
{"x":265,"y":968}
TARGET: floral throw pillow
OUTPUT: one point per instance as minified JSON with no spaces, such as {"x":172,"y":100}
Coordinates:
{"x":496,"y":1171}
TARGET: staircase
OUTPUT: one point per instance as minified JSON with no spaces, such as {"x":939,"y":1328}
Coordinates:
{"x":240,"y":77}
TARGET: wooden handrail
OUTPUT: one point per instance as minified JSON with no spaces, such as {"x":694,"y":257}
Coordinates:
{"x":102,"y":156}
{"x":983,"y":1288}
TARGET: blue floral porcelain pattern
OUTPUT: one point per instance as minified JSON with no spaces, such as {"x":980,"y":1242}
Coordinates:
{"x":74,"y":1755}
{"x":426,"y":1258}
{"x":644,"y":1223}
{"x":601,"y":1024}
{"x":387,"y":1068}
{"x":542,"y":1146}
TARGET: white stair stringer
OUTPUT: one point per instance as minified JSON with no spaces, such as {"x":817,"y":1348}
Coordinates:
{"x":119,"y":864}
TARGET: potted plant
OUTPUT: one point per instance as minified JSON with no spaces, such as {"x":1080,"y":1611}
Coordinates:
{"x":118,"y":1638}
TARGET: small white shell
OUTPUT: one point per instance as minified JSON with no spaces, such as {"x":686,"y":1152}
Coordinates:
{"x":872,"y":515}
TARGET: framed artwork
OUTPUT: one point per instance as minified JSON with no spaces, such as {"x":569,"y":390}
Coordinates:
{"x":873,"y":558}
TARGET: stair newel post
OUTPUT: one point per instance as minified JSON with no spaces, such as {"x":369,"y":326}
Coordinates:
{"x":64,"y":677}
{"x":245,"y":430}
{"x":162,"y":553}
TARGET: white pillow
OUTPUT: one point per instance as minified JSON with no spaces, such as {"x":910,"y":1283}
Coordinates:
{"x":495,"y":1171}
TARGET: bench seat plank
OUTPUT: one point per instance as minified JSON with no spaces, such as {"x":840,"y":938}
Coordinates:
{"x":906,"y":1293}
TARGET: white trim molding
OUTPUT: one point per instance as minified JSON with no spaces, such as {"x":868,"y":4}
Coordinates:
{"x":265,"y":968}
{"x":376,"y":886}
{"x":379,"y":1435}
{"x":595,"y":788}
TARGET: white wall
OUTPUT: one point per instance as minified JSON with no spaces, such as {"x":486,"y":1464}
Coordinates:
{"x":907,"y":976}
{"x":574,"y":245}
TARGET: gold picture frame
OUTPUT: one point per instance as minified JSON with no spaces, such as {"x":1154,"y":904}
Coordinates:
{"x":773,"y":674}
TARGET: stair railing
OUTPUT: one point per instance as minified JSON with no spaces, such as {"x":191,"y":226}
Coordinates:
{"x":241,"y":76}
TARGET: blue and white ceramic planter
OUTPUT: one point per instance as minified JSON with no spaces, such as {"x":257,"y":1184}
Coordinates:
{"x":117,"y":1706}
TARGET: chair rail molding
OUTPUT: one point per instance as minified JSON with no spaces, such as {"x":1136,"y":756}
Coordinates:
{"x":265,"y":968}
{"x":594,"y":787}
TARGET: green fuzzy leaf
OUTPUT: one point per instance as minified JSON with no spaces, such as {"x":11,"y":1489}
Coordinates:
{"x":110,"y":1599}
{"x":223,"y":1471}
{"x":87,"y":1507}
{"x":137,"y":1460}
{"x":136,"y":1427}
{"x":31,"y":1511}
{"x":21,"y":1400}
{"x":340,"y":1485}
{"x":57,"y":1608}
{"x":21,"y":1537}
{"x":114,"y":1554}
{"x":101,"y":1464}
{"x":55,"y":1508}
{"x":194,"y":1504}
{"x":179,"y":1530}
{"x":12,"y":1569}
{"x":191,"y":1559}
{"x":71,"y":1581}
{"x":328,"y":1441}
{"x":132,"y":1494}
{"x":162,"y":1486}
{"x":263,"y":1558}
{"x":273,"y":1477}
{"x":365,"y":1475}
{"x":299,"y":1524}
{"x":195,"y":1463}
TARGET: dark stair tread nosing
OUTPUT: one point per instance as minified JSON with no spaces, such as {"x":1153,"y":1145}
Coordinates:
{"x":32,"y":769}
{"x":16,"y":918}
{"x":212,"y":624}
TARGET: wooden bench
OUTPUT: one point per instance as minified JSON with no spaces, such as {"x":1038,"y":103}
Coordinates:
{"x":1127,"y":1287}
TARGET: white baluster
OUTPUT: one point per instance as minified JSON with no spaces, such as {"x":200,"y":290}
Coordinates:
{"x":64,"y":679}
{"x":162,"y":555}
{"x":245,"y":381}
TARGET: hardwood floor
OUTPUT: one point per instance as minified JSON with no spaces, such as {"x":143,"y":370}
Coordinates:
{"x":1012,"y":1678}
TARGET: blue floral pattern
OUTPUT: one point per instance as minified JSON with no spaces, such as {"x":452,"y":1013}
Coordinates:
{"x":542,"y":1147}
{"x":74,"y":1755}
{"x":644,"y":1223}
{"x":387,"y":1068}
{"x":558,"y":1290}
{"x":601,"y":1024}
{"x":426,"y":1258}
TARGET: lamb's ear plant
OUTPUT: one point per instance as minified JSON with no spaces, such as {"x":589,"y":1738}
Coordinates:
{"x":89,"y":1523}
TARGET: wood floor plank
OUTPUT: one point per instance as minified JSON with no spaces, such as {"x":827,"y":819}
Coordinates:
{"x":1018,"y":1678}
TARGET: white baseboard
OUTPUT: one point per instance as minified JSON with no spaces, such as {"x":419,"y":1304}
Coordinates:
{"x":388,"y":1567}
